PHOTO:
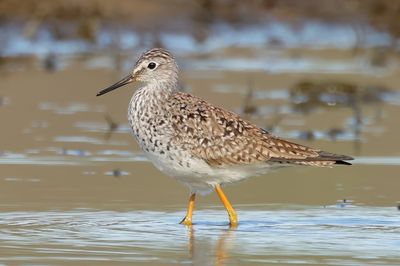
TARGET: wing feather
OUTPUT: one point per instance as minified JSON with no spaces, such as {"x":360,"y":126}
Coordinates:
{"x":221,"y":138}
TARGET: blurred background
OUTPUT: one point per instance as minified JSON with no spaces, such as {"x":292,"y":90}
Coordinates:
{"x":322,"y":73}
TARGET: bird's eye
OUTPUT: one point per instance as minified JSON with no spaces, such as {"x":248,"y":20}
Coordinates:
{"x":152,"y":65}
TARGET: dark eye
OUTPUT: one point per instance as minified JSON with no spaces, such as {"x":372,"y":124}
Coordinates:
{"x":152,"y":65}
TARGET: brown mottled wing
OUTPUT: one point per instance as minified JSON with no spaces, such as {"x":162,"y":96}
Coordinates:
{"x":222,"y":138}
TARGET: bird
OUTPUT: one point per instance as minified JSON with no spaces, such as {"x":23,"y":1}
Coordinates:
{"x":201,"y":145}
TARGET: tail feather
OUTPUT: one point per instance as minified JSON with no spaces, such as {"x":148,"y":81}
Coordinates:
{"x":342,"y":162}
{"x":337,"y":158}
{"x":323,"y":155}
{"x":323,"y":159}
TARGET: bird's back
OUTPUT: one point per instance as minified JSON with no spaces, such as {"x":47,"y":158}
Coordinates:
{"x":221,"y":138}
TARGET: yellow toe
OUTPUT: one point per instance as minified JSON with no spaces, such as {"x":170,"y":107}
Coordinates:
{"x":186,"y":221}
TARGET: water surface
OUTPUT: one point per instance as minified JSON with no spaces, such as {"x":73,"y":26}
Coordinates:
{"x":333,"y":235}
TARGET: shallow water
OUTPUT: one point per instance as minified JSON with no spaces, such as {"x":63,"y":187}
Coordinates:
{"x":333,"y":235}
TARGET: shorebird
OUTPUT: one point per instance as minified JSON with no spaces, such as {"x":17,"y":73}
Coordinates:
{"x":199,"y":144}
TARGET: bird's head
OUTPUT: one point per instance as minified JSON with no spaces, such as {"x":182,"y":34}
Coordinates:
{"x":156,"y":66}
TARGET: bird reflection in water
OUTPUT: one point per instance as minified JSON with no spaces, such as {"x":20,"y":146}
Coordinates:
{"x":200,"y":252}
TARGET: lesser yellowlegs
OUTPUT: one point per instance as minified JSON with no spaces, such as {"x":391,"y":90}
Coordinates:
{"x":199,"y":144}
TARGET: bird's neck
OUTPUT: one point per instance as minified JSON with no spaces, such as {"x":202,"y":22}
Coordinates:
{"x":154,"y":94}
{"x":160,"y":90}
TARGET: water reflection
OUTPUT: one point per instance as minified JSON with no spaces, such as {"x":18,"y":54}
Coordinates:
{"x":221,"y":251}
{"x":283,"y":235}
{"x":202,"y":253}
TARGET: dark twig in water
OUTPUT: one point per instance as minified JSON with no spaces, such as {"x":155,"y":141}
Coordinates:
{"x":117,"y":172}
{"x":249,"y":108}
{"x":112,"y":126}
{"x":50,"y":63}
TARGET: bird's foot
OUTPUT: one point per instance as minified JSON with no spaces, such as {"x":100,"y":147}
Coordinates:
{"x":186,"y":221}
{"x":233,"y":222}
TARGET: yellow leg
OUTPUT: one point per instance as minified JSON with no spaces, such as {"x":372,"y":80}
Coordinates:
{"x":227,"y":205}
{"x":188,"y":218}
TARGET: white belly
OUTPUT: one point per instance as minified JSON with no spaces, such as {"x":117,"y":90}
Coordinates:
{"x":199,"y":176}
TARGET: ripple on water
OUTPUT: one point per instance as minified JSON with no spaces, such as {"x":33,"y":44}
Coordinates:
{"x":70,"y":109}
{"x":101,"y":127}
{"x":366,"y":235}
{"x":90,"y":140}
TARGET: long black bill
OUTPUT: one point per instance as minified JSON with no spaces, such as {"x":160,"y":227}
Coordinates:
{"x":128,"y":79}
